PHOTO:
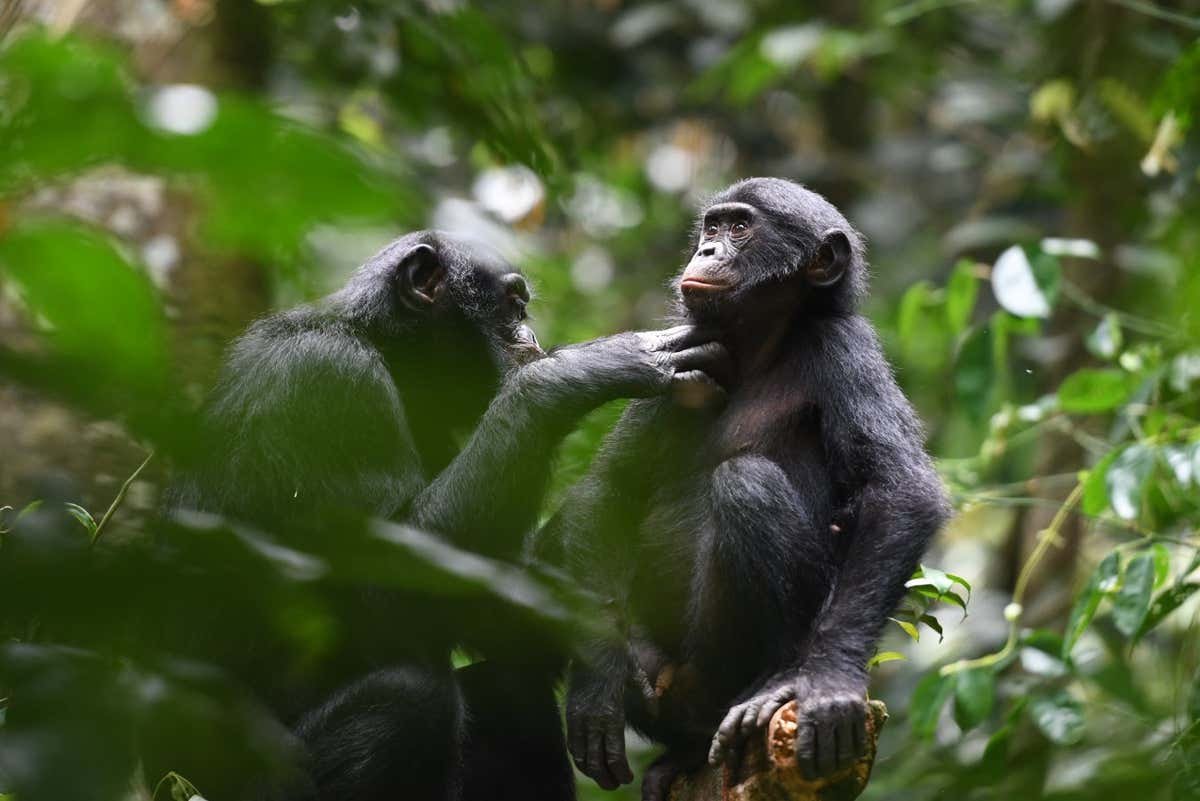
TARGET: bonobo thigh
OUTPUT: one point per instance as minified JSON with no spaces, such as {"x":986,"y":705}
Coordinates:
{"x":763,"y":566}
{"x":394,"y":734}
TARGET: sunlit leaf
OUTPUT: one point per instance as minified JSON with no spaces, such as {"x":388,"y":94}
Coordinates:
{"x":1132,"y":600}
{"x":1102,"y":581}
{"x":1089,"y":391}
{"x":974,"y":696}
{"x":1059,"y":717}
{"x":1126,"y":480}
{"x":1163,"y":605}
{"x":908,"y":628}
{"x":885,"y":656}
{"x":1105,"y":340}
{"x":1022,"y":287}
{"x":1095,"y":485}
{"x":83,"y":516}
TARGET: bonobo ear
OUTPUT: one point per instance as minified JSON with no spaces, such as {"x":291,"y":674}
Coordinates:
{"x":832,"y":259}
{"x":421,"y":276}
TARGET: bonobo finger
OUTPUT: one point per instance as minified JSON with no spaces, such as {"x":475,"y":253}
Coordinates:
{"x":768,"y":710}
{"x":696,"y":390}
{"x":685,"y":336}
{"x":577,"y":738}
{"x":844,"y":732}
{"x":806,"y":747}
{"x":826,"y":744}
{"x":712,"y":358}
{"x":858,"y":731}
{"x":615,"y":761}
{"x":596,"y":768}
{"x":725,"y":737}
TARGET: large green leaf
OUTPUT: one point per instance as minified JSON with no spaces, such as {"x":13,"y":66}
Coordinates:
{"x":1132,"y":601}
{"x":102,"y":315}
{"x":928,"y":698}
{"x":1103,"y":581}
{"x":1059,"y":717}
{"x":974,"y":697}
{"x":1090,"y":391}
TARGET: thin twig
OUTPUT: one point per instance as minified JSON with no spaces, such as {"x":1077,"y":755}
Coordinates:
{"x":1151,"y":10}
{"x":112,"y":507}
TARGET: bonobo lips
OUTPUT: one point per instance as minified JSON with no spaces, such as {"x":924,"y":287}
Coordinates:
{"x":700,"y":285}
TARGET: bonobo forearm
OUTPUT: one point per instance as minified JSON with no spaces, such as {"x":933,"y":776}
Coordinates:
{"x":488,"y":498}
{"x":894,"y":527}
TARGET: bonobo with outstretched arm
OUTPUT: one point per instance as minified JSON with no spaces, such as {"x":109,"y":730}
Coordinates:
{"x":357,"y":405}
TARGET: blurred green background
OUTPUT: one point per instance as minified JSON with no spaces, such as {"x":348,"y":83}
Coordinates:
{"x":1026,"y":173}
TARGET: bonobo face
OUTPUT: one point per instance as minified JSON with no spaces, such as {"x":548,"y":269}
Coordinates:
{"x":460,"y":286}
{"x":766,"y":244}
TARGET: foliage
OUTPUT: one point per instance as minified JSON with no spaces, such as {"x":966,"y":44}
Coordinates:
{"x":1027,"y":175}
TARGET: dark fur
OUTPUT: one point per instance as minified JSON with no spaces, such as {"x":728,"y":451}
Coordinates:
{"x":353,"y":406}
{"x":755,"y":551}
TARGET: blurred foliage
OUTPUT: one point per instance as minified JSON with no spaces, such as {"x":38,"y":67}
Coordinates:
{"x":1026,"y":171}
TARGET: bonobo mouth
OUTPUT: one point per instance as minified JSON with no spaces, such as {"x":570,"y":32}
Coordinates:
{"x":699,"y":285}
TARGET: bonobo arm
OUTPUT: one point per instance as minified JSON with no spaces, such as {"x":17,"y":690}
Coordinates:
{"x":488,"y":498}
{"x":896,"y":503}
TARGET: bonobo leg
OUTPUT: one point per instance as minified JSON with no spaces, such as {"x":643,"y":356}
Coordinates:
{"x":395,"y":734}
{"x":765,"y":567}
{"x":514,"y":748}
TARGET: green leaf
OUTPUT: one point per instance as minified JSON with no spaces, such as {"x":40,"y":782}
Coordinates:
{"x":928,"y":698}
{"x":104,"y":315}
{"x":1133,"y":599}
{"x":974,"y":697}
{"x":1126,"y":480}
{"x":909,"y":628}
{"x":1103,"y":580}
{"x":961,"y":292}
{"x":1106,"y":340}
{"x":885,"y":656}
{"x":1095,"y":485}
{"x":1162,"y":564}
{"x":1059,"y":717}
{"x":1091,"y":391}
{"x":932,"y":622}
{"x":83,"y":516}
{"x":1164,"y":604}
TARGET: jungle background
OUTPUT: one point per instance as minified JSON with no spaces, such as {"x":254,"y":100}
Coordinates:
{"x":1027,"y":173}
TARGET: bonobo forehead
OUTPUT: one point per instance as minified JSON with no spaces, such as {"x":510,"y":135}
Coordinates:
{"x":786,"y":201}
{"x":472,"y":252}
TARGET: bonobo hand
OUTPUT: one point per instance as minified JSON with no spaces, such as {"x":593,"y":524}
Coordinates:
{"x":645,"y":363}
{"x":596,"y":724}
{"x":831,"y":720}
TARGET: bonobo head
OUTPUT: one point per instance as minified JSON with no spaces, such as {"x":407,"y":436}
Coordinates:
{"x":766,"y":246}
{"x":451,"y":296}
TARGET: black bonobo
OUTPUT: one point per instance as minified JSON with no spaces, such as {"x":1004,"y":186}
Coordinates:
{"x":752,"y":551}
{"x":416,"y":393}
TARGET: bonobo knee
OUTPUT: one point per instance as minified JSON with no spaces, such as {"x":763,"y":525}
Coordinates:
{"x":756,"y":492}
{"x":396,"y":728}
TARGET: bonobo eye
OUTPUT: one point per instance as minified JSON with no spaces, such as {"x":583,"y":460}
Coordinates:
{"x":711,"y":230}
{"x":739,"y":228}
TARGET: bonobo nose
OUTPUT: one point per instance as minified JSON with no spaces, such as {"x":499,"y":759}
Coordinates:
{"x":710,"y":250}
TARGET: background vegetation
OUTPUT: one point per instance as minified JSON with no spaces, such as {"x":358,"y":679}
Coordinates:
{"x":1026,"y":172}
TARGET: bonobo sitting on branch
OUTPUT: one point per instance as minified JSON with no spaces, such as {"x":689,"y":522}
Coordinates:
{"x":416,"y":393}
{"x":752,"y":552}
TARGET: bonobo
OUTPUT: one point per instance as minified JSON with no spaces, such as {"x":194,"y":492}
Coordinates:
{"x":752,"y":552}
{"x":417,"y":393}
